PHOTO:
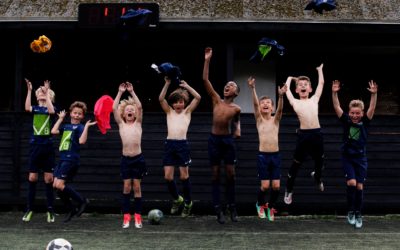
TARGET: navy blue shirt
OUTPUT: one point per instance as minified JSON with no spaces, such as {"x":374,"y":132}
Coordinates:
{"x":354,"y":136}
{"x":69,"y":144}
{"x":41,"y":126}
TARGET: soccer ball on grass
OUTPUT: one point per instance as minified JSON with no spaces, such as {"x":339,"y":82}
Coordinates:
{"x":59,"y":244}
{"x":155,"y":216}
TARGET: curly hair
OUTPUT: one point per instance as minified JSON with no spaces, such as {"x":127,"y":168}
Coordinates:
{"x":123,"y":105}
{"x":80,"y":105}
{"x":177,"y":95}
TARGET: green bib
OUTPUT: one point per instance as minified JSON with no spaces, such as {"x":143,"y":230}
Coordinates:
{"x":41,"y":124}
{"x":354,"y":133}
{"x":66,"y":141}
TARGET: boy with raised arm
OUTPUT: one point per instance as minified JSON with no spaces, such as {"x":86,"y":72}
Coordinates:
{"x":221,"y":145}
{"x":129,"y":114}
{"x":309,"y":136}
{"x":176,"y":146}
{"x":74,"y":134}
{"x":268,"y":159}
{"x":41,"y":156}
{"x":354,"y":159}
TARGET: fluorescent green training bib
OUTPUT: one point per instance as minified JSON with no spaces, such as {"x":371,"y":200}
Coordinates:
{"x":66,"y":141}
{"x":41,"y":124}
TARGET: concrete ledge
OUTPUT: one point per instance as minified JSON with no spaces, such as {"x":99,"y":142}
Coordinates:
{"x":387,"y":11}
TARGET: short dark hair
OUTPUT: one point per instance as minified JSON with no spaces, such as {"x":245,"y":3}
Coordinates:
{"x":80,"y":105}
{"x":302,"y":78}
{"x":264,"y":97}
{"x":177,"y":95}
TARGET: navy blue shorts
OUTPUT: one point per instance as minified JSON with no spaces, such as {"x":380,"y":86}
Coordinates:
{"x":221,"y":148}
{"x":66,"y":170}
{"x":41,"y":158}
{"x":176,"y":153}
{"x":133,"y":167}
{"x":309,"y":142}
{"x":355,"y":168}
{"x":269,"y":165}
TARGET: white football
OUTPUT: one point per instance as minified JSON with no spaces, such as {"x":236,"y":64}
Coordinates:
{"x":155,"y":216}
{"x":59,"y":244}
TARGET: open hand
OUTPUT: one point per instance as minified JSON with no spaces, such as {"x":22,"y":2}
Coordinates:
{"x":335,"y":86}
{"x":373,"y":87}
{"x":90,"y":123}
{"x":282,"y":90}
{"x":62,"y":114}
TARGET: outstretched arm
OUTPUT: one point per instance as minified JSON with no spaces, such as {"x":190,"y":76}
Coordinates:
{"x":335,"y":99}
{"x":56,"y":128}
{"x":321,"y":81}
{"x":28,"y":101}
{"x":116,"y":112}
{"x":196,"y":96}
{"x":84,"y":135}
{"x":279,"y":108}
{"x":289,"y":94}
{"x":207,"y":84}
{"x":373,"y":88}
{"x":139,"y":116}
{"x":161,"y":98}
{"x":251,"y":81}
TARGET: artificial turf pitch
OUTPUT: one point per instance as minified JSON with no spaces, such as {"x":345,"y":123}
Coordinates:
{"x":103,"y":231}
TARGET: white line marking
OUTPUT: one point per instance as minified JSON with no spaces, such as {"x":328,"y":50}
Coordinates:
{"x":119,"y":230}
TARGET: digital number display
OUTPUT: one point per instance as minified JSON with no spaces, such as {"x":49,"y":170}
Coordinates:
{"x":101,"y":15}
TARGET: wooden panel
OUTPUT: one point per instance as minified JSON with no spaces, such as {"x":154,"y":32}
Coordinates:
{"x":99,"y":179}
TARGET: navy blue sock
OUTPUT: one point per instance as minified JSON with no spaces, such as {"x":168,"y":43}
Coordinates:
{"x":350,"y":194}
{"x":359,"y":200}
{"x":215,"y":193}
{"x":274,"y":195}
{"x":65,"y":199}
{"x":31,"y":194}
{"x":49,"y":196}
{"x":138,"y":205}
{"x":187,"y":191}
{"x":292,"y":176}
{"x":319,"y":164}
{"x":173,"y":189}
{"x":230,"y":191}
{"x":73,"y":194}
{"x":126,"y":203}
{"x":261,"y":197}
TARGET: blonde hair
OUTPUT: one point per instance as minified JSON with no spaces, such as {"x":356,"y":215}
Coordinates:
{"x":123,"y":105}
{"x":51,"y":93}
{"x":80,"y":105}
{"x":356,"y":104}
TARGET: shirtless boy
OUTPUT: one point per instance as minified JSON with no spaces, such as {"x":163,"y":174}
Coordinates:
{"x":221,"y":141}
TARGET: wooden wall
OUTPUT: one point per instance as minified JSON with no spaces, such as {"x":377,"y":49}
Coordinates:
{"x":99,"y":179}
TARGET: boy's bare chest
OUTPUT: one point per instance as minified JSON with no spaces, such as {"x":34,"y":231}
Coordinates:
{"x":224,"y":111}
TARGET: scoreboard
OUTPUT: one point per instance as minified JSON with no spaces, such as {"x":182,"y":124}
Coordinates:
{"x":108,"y":15}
